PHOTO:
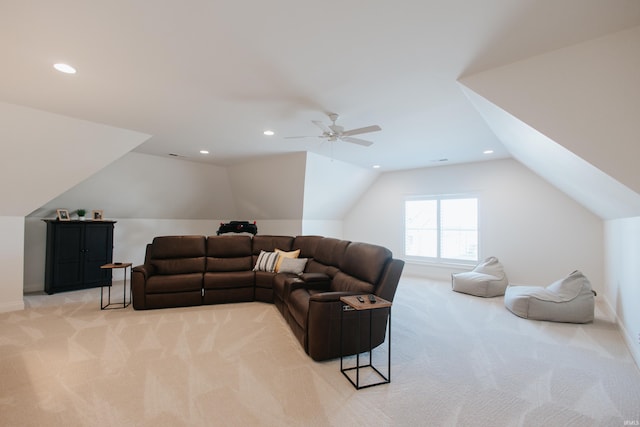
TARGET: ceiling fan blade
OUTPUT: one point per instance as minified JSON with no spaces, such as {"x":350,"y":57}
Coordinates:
{"x":357,"y":141}
{"x":322,"y":126}
{"x":374,"y":128}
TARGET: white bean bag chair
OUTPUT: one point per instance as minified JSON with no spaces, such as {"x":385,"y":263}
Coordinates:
{"x":568,"y":300}
{"x":487,"y":279}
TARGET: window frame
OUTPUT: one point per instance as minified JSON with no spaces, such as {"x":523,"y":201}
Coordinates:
{"x":438,"y":259}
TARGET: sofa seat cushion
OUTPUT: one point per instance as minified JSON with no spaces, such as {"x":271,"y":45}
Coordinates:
{"x":235,"y":279}
{"x":264,"y":279}
{"x":174,"y":283}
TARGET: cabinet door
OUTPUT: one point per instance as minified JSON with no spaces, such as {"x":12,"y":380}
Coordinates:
{"x":68,"y":250}
{"x":98,"y":250}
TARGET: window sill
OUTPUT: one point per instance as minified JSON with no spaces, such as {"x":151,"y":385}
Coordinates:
{"x":441,"y":264}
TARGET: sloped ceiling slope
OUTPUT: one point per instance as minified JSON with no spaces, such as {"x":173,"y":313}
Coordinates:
{"x":45,"y":154}
{"x":571,"y":116}
{"x":145,"y":186}
{"x":332,"y":187}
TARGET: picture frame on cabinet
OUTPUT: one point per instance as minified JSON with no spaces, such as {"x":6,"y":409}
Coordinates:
{"x":96,"y":215}
{"x":63,"y":215}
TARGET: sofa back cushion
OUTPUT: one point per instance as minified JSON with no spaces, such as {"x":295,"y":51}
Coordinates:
{"x":327,"y":256}
{"x":307,"y":245}
{"x":229,"y":253}
{"x":269,"y":244}
{"x":178,"y":254}
{"x":342,"y":282}
{"x":365,"y":261}
{"x":330,"y":251}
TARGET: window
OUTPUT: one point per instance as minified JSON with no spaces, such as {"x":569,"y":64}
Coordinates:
{"x":442,"y":228}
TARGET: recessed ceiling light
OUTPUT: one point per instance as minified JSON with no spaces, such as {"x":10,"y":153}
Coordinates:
{"x":64,"y":68}
{"x":376,"y":166}
{"x":269,"y":132}
{"x":204,"y":152}
{"x":487,"y":152}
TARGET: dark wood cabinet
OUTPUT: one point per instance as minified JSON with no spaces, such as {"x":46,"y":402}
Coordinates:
{"x":75,"y":252}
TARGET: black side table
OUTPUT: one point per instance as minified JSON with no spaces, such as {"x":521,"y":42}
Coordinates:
{"x":109,"y":305}
{"x":351,"y":303}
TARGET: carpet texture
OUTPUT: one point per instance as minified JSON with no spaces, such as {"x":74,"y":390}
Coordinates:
{"x":456,"y":360}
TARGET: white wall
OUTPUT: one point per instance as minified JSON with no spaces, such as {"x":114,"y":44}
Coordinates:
{"x":538,"y":232}
{"x":269,"y":188}
{"x":623,"y":273}
{"x":319,"y":227}
{"x":11,"y":261}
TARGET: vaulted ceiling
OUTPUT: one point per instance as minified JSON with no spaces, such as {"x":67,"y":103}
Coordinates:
{"x":213,"y":75}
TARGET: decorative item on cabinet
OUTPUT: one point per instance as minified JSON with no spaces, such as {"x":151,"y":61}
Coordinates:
{"x":75,"y":252}
{"x":96,"y":215}
{"x":63,"y":215}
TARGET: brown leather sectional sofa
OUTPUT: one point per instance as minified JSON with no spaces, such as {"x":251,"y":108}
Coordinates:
{"x":194,"y":270}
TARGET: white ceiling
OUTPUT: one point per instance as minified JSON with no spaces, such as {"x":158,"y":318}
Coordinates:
{"x":211,"y":74}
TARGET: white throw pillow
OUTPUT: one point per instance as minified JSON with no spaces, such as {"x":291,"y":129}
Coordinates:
{"x":292,"y":265}
{"x":266,"y":261}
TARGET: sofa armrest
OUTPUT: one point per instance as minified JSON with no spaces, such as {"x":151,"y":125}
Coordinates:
{"x":139,"y":276}
{"x":315,"y":277}
{"x":331,"y":296}
{"x":327,"y":322}
{"x":147,"y":270}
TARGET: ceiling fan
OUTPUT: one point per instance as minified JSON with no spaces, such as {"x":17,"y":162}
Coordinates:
{"x":333,"y":132}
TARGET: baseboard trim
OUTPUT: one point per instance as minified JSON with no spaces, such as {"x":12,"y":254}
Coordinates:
{"x":6,"y":307}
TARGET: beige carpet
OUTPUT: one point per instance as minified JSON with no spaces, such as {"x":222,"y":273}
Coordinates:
{"x":456,"y":360}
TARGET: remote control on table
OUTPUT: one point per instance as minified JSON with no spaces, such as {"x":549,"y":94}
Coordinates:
{"x":360,"y":299}
{"x":372,"y":299}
